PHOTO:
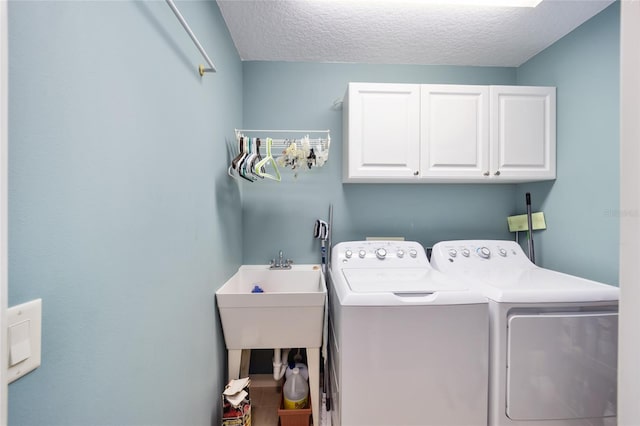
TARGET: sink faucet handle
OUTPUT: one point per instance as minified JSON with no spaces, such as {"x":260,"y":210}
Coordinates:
{"x":280,"y":262}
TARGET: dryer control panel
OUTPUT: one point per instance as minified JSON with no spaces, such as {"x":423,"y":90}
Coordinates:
{"x":379,"y":253}
{"x":465,"y":254}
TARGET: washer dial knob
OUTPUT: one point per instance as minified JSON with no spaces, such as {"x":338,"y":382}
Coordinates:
{"x":453,"y":252}
{"x":381,"y":253}
{"x":502,"y":252}
{"x":348,"y":254}
{"x":362,"y":254}
{"x":413,"y":253}
{"x":400,"y":254}
{"x":466,"y":252}
{"x":484,"y":252}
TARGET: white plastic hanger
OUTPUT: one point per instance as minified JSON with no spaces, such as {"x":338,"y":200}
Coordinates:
{"x":268,"y":159}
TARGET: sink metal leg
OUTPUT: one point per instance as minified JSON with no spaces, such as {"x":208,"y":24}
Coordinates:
{"x":313,"y":358}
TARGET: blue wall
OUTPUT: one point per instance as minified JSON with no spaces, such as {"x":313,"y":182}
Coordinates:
{"x":281,"y":215}
{"x":121,"y":215}
{"x":123,"y":220}
{"x":582,"y":206}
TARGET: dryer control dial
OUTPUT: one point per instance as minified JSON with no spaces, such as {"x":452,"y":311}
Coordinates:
{"x":466,"y":252}
{"x":400,"y":254}
{"x":484,"y":252}
{"x":413,"y":253}
{"x":348,"y":254}
{"x":362,"y":254}
{"x":453,"y":252}
{"x":502,"y":252}
{"x":381,"y":253}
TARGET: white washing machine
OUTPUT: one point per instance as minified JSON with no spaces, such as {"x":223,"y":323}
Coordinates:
{"x":408,"y":346}
{"x":553,"y":337}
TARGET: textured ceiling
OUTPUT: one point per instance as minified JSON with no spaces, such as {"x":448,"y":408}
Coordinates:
{"x":399,"y":32}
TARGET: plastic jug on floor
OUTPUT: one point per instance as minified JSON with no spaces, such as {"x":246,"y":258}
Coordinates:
{"x":296,"y":391}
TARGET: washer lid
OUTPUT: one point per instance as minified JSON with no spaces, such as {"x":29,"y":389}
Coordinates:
{"x":399,"y":280}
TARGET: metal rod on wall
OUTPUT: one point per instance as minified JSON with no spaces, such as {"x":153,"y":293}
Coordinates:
{"x":201,"y":69}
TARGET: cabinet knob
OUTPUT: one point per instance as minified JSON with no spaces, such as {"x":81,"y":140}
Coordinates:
{"x":497,"y":173}
{"x":416,"y":173}
{"x":486,"y":173}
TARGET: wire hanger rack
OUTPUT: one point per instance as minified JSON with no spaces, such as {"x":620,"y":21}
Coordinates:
{"x":283,"y":149}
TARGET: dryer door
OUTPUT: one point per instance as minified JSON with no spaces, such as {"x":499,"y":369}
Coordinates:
{"x":561,"y":365}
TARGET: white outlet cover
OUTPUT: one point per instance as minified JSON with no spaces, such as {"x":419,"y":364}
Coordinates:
{"x":24,"y":334}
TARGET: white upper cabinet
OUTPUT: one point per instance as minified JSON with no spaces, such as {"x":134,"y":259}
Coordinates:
{"x":448,"y":133}
{"x":454,"y":131}
{"x":523,"y":132}
{"x":382,"y":127}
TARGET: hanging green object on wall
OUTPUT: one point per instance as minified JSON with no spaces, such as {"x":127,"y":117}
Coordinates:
{"x":519,"y":222}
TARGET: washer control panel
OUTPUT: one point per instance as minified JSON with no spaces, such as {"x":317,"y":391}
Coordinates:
{"x":476,"y":253}
{"x":382,"y":253}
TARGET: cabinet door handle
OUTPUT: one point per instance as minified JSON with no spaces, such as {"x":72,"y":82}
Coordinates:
{"x":486,"y":173}
{"x":497,"y":173}
{"x":416,"y":173}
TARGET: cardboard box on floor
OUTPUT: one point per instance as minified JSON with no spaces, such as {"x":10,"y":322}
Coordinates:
{"x":236,"y":403}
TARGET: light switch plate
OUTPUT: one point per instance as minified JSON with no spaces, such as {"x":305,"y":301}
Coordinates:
{"x":24,"y":335}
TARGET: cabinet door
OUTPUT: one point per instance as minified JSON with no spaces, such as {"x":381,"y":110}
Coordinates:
{"x":382,"y":132}
{"x":523,"y":132}
{"x":454,"y":132}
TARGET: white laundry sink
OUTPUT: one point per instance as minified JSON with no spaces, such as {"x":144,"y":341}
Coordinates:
{"x":288,"y":314}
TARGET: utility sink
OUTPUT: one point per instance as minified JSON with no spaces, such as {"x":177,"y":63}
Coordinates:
{"x":288,"y":314}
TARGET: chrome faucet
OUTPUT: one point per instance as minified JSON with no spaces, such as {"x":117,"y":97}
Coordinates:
{"x":280,"y":262}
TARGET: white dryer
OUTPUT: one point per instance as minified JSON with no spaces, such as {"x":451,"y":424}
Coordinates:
{"x":553,"y":337}
{"x":408,"y":346}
